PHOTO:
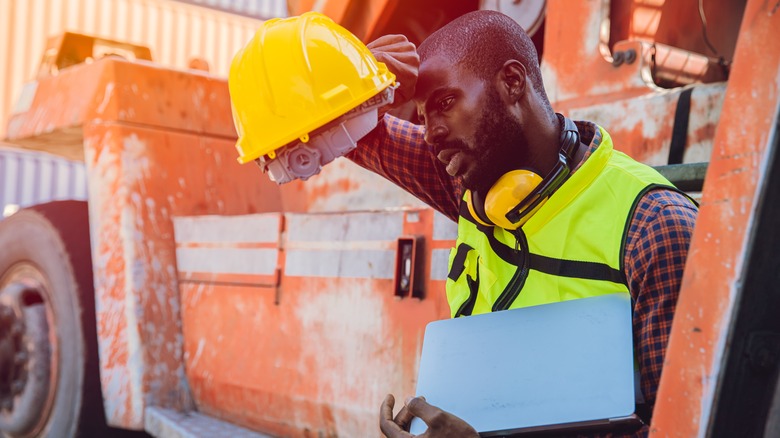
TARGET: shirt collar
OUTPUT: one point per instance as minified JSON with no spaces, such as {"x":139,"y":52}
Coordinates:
{"x":590,"y":134}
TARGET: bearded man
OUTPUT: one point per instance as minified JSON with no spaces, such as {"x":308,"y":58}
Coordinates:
{"x":546,"y":208}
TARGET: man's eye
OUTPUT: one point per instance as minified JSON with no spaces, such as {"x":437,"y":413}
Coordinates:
{"x":445,"y":103}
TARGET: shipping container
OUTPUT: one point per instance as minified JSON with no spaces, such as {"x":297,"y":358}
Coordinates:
{"x":30,"y":177}
{"x":175,"y":31}
{"x":262,"y":9}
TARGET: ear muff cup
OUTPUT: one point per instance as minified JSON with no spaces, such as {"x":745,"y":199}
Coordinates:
{"x":518,"y":194}
{"x":510,"y":190}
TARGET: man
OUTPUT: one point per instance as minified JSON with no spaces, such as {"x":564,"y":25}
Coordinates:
{"x":589,"y":220}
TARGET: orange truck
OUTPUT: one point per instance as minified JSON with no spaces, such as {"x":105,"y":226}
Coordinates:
{"x":191,"y":296}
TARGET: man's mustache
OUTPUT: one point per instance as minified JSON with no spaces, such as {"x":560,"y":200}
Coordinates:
{"x":451,"y":144}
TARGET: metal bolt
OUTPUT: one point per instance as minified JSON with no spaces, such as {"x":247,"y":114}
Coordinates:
{"x":618,"y":58}
{"x":630,"y":56}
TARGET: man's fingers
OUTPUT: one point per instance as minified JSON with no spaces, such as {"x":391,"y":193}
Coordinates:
{"x":401,"y":58}
{"x":387,"y":40}
{"x":386,"y":411}
{"x":404,"y":418}
{"x":401,"y":47}
{"x":395,"y":46}
{"x":418,"y":407}
{"x":389,"y":428}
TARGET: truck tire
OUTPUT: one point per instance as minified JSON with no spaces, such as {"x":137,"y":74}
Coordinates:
{"x":49,"y":371}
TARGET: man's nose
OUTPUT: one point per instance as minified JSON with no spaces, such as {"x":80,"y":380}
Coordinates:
{"x":435,"y":134}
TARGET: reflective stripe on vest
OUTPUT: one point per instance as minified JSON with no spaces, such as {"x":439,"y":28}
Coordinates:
{"x":571,"y":248}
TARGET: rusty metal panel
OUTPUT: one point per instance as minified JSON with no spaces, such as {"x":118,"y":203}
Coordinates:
{"x":621,"y":97}
{"x":715,"y":268}
{"x":237,"y":249}
{"x":356,"y":245}
{"x":642,"y":128}
{"x":327,"y":344}
{"x":140,"y":175}
{"x":344,"y":186}
{"x":114,"y":89}
{"x":175,"y":32}
{"x":168,"y":423}
{"x":136,"y":187}
{"x":29,"y":178}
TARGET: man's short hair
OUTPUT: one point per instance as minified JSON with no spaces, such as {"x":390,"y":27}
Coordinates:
{"x":482,"y":41}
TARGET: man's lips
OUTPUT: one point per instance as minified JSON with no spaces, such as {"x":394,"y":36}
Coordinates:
{"x":453,"y":158}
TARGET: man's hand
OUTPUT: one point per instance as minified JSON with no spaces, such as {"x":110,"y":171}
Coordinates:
{"x":401,"y":58}
{"x":440,"y":423}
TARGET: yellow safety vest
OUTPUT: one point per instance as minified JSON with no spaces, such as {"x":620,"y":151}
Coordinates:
{"x":571,"y":248}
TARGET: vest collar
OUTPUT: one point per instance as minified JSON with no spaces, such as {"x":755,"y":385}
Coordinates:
{"x":584,"y":175}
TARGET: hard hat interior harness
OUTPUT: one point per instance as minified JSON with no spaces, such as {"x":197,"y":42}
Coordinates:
{"x":301,"y":160}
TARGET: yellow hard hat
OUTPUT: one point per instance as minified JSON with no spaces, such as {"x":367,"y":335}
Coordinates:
{"x":296,"y":75}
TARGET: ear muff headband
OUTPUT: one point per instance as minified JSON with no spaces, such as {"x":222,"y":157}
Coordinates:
{"x":478,"y":215}
{"x":518,"y":194}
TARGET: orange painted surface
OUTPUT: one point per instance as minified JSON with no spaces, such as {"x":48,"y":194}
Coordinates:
{"x":713,"y":272}
{"x":642,"y":128}
{"x":582,"y":83}
{"x":362,"y":18}
{"x":334,"y":9}
{"x":318,"y":360}
{"x":138,"y":93}
{"x":321,"y":360}
{"x":175,"y":32}
{"x":138,"y":182}
{"x":297,"y":355}
{"x":157,"y":143}
{"x":576,"y":73}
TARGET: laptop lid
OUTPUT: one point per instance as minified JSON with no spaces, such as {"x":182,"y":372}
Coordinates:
{"x":560,"y":366}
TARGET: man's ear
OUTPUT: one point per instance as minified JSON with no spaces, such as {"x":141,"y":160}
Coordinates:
{"x":513,"y":80}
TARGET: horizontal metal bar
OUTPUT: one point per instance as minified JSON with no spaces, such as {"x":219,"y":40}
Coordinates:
{"x":167,"y":423}
{"x":688,"y":177}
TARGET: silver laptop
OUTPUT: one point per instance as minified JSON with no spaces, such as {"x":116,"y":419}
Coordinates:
{"x":566,"y":366}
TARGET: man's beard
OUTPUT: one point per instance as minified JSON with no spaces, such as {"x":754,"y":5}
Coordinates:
{"x":500,"y":145}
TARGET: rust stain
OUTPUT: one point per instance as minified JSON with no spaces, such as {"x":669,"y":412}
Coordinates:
{"x":147,"y":161}
{"x":327,"y":352}
{"x":340,"y":185}
{"x":711,"y":282}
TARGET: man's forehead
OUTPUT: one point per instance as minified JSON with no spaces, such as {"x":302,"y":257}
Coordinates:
{"x":438,"y":73}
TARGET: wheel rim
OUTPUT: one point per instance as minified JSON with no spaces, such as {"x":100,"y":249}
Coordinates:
{"x":26,"y":317}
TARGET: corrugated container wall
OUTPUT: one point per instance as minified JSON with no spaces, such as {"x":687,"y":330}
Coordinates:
{"x":262,"y":9}
{"x":175,"y":32}
{"x":29,"y":177}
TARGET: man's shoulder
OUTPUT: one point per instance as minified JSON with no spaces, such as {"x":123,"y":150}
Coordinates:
{"x":662,"y":207}
{"x":661,"y":197}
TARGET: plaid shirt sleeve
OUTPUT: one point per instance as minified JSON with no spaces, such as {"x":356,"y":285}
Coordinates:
{"x":397,"y":151}
{"x":656,"y":248}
